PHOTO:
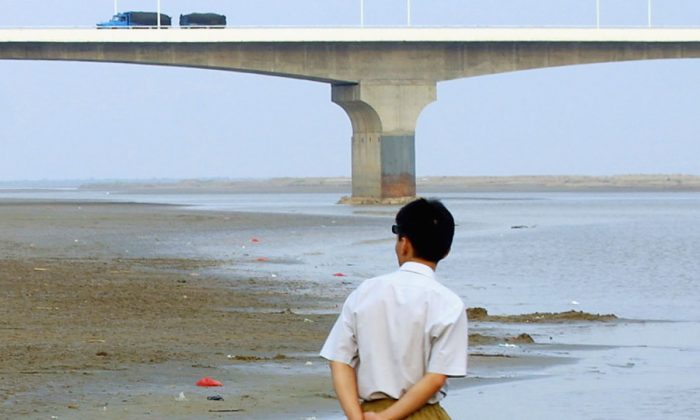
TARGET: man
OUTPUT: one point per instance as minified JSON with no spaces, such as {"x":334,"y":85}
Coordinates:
{"x":399,"y":336}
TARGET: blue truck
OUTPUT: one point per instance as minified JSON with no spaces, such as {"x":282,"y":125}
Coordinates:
{"x":135,"y":19}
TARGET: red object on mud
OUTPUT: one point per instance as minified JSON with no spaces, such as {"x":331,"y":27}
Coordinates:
{"x":339,"y":275}
{"x":255,"y":240}
{"x":262,"y":259}
{"x":207,"y":381}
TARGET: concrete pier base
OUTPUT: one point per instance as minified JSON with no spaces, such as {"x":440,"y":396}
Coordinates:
{"x":383,"y":116}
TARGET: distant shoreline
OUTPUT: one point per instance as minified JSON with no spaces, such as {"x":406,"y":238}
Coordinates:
{"x":544,"y":183}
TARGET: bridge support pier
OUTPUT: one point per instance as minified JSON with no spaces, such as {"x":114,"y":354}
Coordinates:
{"x":383,"y":116}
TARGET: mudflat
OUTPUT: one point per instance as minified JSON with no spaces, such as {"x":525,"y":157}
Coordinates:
{"x":87,"y":328}
{"x":429,"y":184}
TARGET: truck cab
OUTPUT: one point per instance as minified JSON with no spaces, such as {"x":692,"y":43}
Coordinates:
{"x":118,"y":20}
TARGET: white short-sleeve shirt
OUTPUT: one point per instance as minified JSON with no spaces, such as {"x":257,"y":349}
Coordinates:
{"x":395,"y":328}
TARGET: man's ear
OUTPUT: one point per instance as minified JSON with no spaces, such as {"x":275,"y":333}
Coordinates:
{"x":405,"y":247}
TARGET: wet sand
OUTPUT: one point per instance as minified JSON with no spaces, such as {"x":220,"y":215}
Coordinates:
{"x":82,"y":320}
{"x":482,"y":315}
{"x":103,"y":313}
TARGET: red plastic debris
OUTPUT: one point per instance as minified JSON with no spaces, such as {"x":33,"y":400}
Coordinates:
{"x":255,"y":240}
{"x":207,"y":381}
{"x":262,"y":259}
{"x":339,"y":275}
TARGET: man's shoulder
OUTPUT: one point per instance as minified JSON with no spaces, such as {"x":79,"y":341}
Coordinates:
{"x":444,"y":298}
{"x":401,"y":279}
{"x":453,"y":299}
{"x":376,"y":281}
{"x":447,"y":292}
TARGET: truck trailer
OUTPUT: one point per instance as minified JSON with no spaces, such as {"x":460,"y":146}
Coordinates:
{"x":202,"y":20}
{"x":135,"y":19}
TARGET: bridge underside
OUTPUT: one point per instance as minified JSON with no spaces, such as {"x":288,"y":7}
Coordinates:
{"x":382,"y":86}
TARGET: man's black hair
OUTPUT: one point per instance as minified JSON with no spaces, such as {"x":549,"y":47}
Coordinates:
{"x":429,"y":226}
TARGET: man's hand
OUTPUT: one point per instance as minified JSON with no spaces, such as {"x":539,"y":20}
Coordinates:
{"x":413,"y":400}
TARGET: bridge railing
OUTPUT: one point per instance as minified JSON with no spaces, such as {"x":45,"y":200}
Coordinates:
{"x":401,"y":13}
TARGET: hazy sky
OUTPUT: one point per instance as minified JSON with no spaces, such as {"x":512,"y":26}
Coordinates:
{"x":82,"y":120}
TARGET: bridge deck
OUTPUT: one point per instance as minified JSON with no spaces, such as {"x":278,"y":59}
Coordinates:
{"x":295,"y":35}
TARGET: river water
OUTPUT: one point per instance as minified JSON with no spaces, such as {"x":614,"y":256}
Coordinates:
{"x":636,"y":255}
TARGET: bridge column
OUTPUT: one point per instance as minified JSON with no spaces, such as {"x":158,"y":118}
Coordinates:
{"x":383,"y":117}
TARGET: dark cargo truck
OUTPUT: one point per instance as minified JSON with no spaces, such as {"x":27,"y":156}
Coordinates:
{"x":135,"y":19}
{"x":207,"y":20}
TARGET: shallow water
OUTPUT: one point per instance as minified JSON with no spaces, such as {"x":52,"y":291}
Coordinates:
{"x":650,"y":371}
{"x":631,"y":254}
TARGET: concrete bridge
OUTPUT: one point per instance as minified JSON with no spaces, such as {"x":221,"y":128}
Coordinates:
{"x":382,"y":77}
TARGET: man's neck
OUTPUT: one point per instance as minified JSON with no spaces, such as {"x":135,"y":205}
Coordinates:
{"x":432,"y":265}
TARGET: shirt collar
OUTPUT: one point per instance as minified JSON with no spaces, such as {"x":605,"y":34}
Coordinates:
{"x":418,"y":268}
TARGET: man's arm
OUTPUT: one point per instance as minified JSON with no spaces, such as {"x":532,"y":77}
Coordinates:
{"x":413,"y":400}
{"x":345,"y":385}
